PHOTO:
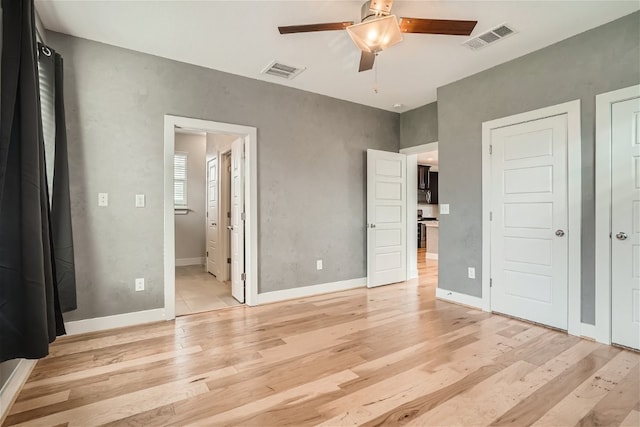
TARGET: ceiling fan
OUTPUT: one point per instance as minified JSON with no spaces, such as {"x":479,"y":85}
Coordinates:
{"x":378,"y":29}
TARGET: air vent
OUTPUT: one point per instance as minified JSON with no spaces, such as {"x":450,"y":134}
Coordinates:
{"x":489,"y":37}
{"x":279,"y":69}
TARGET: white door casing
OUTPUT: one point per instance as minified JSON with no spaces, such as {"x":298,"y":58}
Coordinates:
{"x":237,"y":220}
{"x":625,"y":223}
{"x":529,"y":251}
{"x":212,"y":216}
{"x":386,"y":218}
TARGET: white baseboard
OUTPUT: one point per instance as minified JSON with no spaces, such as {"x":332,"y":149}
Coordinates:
{"x":588,"y":331}
{"x":458,"y":298}
{"x":431,"y":256}
{"x":412,"y":274}
{"x":12,"y":387}
{"x":75,"y":327}
{"x":307,"y":291}
{"x":181,"y":262}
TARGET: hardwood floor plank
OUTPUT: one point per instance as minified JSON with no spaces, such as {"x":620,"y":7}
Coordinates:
{"x":388,"y":355}
{"x":616,"y":406}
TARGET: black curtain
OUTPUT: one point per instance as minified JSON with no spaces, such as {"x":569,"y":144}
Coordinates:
{"x":30,"y":314}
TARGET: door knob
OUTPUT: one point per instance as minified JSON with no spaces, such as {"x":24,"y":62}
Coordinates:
{"x":621,"y":236}
{"x":230,"y":227}
{"x":559,"y":233}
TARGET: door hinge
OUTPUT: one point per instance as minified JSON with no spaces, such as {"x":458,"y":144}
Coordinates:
{"x":207,"y":254}
{"x":491,"y":283}
{"x":490,"y":149}
{"x":491,"y":216}
{"x":243,"y":216}
{"x":207,"y":214}
{"x":228,"y":214}
{"x":228,"y":260}
{"x":243,"y":276}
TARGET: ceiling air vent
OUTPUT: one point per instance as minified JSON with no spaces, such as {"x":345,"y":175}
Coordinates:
{"x":279,"y":69}
{"x":489,"y":37}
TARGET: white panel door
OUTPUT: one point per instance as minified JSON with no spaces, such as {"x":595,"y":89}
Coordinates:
{"x":625,"y":223}
{"x":386,"y":218}
{"x":237,"y":221}
{"x":529,"y":230}
{"x":212,"y":216}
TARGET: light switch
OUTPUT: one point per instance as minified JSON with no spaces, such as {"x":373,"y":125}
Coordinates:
{"x":103,"y":199}
{"x":139,"y":200}
{"x":444,"y":209}
{"x":319,"y":264}
{"x":471,"y":272}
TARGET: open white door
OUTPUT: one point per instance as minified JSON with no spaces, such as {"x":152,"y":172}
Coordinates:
{"x":625,"y":223}
{"x":237,"y":220}
{"x":386,"y":218}
{"x":212,"y":216}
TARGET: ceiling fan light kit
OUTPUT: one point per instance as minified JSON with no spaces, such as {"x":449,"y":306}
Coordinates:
{"x":376,"y":34}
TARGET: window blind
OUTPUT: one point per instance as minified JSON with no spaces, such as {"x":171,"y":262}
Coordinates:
{"x":180,"y":179}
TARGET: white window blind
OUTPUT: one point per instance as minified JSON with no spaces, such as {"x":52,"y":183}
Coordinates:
{"x":180,"y":179}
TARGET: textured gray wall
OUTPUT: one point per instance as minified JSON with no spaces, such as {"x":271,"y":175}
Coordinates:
{"x":419,"y":126}
{"x":600,"y":60}
{"x":191,"y":228}
{"x":6,"y":369}
{"x":311,"y":171}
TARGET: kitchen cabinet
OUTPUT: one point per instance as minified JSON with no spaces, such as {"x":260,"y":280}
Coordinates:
{"x":427,"y":185}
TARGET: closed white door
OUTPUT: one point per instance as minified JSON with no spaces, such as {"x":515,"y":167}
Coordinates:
{"x":212,"y":216}
{"x":237,"y":220}
{"x":529,"y":230}
{"x":386,"y":218}
{"x":625,"y":223}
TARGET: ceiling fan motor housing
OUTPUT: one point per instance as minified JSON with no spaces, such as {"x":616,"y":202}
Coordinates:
{"x":375,"y":9}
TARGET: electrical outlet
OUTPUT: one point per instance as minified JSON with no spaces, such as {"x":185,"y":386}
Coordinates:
{"x":444,"y":209}
{"x":139,"y":200}
{"x":471,"y":272}
{"x":103,"y":199}
{"x":319,"y":264}
{"x":139,"y":285}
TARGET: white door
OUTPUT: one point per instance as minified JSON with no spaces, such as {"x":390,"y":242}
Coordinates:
{"x":386,"y":218}
{"x":529,"y":230}
{"x":237,"y":219}
{"x":212,"y":216}
{"x":625,"y":223}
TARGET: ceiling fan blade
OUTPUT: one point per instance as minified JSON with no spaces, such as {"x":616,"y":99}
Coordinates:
{"x":366,"y":61}
{"x":437,"y":26}
{"x":329,"y":26}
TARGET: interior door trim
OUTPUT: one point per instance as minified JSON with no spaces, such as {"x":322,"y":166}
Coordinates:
{"x":604,"y":105}
{"x":574,"y":205}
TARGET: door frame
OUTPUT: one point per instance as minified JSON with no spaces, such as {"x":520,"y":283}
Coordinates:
{"x":574,"y":202}
{"x":604,"y":106}
{"x":412,"y":203}
{"x":250,"y":198}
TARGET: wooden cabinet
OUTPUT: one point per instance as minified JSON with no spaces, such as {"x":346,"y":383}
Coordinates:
{"x":427,"y":185}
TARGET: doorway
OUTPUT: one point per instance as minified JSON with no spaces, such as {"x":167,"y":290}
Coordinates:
{"x":241,"y":152}
{"x":618,"y":217}
{"x":423,"y":213}
{"x":531,"y":216}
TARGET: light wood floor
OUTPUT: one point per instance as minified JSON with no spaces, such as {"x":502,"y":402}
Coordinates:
{"x":198,"y":291}
{"x":386,"y":356}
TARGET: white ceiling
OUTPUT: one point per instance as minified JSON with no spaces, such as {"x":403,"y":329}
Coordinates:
{"x":241,"y":37}
{"x":429,"y":158}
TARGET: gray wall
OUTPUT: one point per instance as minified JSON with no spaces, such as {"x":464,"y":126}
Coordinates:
{"x":191,"y":228}
{"x":419,"y":126}
{"x":311,"y":171}
{"x":600,"y":60}
{"x":6,"y":369}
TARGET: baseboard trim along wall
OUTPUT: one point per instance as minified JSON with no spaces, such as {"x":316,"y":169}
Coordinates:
{"x":458,"y":298}
{"x":12,"y":387}
{"x":181,"y":262}
{"x":76,"y":327}
{"x":308,"y":291}
{"x":431,"y":256}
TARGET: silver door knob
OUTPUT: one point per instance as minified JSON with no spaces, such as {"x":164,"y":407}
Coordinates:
{"x":230,"y":227}
{"x":621,"y":236}
{"x":559,"y":233}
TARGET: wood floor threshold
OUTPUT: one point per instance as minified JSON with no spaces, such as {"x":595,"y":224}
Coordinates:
{"x":392,"y":355}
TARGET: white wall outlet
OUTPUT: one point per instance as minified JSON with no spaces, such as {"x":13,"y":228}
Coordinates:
{"x":139,"y":200}
{"x":319,"y":264}
{"x":444,"y":209}
{"x":471,"y":272}
{"x":139,"y":285}
{"x":103,"y":199}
